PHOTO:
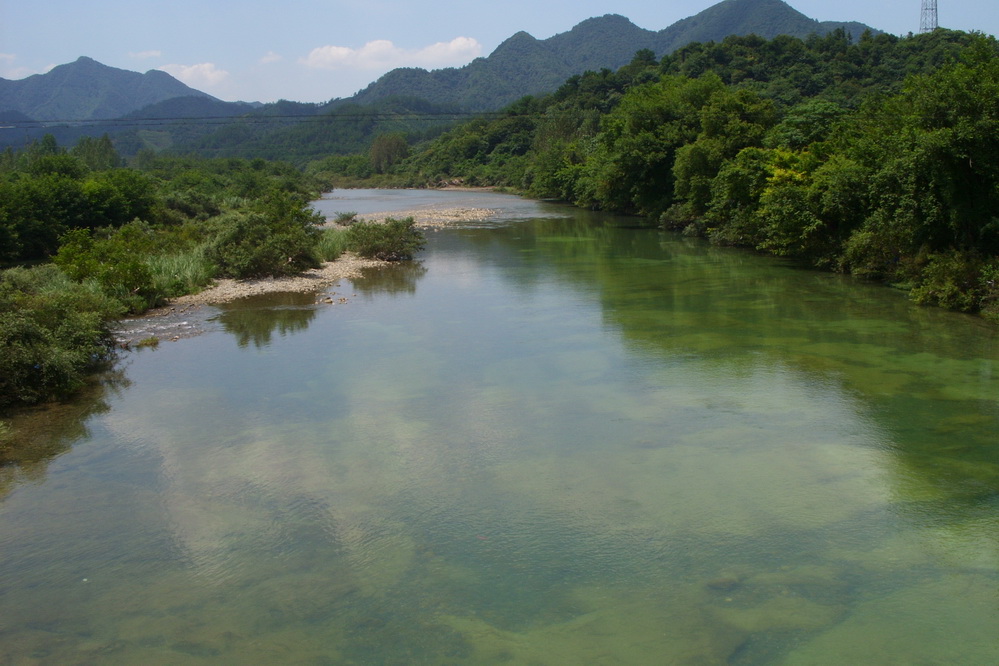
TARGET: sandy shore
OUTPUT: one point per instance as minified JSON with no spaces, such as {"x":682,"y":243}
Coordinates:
{"x":315,"y":279}
{"x":347,"y":266}
{"x":432,"y":217}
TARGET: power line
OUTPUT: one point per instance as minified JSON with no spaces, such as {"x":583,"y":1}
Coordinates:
{"x":246,"y":120}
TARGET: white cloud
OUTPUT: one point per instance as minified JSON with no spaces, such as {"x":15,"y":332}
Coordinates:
{"x":270,"y":57}
{"x":204,"y":74}
{"x":459,"y":50}
{"x":383,"y":54}
{"x":142,"y":55}
{"x":8,"y":69}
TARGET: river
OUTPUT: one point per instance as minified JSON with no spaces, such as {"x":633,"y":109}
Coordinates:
{"x":557,"y":437}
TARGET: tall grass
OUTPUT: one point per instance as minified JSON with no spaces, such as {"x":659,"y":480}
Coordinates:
{"x":182,"y":273}
{"x":332,"y":244}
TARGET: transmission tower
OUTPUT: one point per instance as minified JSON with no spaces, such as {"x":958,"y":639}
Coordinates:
{"x":928,"y":17}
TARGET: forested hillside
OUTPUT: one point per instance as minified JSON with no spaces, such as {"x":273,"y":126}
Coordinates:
{"x":287,"y":131}
{"x":154,"y":111}
{"x":87,"y":90}
{"x":523,"y":65}
{"x":873,"y":157}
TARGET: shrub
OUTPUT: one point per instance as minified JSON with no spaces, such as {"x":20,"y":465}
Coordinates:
{"x":950,"y":280}
{"x":116,"y":263}
{"x":252,"y":244}
{"x":53,"y":332}
{"x":989,"y":286}
{"x":395,"y":240}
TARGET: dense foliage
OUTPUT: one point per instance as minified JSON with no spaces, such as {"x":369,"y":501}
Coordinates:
{"x":395,"y":240}
{"x":103,"y":240}
{"x":275,"y":237}
{"x":874,"y":157}
{"x":53,"y":332}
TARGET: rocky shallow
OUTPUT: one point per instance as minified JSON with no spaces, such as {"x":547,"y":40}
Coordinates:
{"x":434,"y":216}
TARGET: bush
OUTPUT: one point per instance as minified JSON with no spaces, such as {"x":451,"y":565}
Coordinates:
{"x":251,"y":244}
{"x":989,"y":286}
{"x":345,"y":218}
{"x":116,"y":263}
{"x":53,"y":332}
{"x":395,"y":240}
{"x":950,"y":280}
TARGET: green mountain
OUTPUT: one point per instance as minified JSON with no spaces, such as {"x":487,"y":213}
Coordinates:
{"x":88,"y":90}
{"x":766,"y":18}
{"x":523,"y":65}
{"x":154,"y":110}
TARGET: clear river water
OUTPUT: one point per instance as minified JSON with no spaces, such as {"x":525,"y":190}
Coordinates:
{"x":556,"y":438}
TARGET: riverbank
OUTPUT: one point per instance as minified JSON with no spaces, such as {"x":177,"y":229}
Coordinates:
{"x":431,"y":217}
{"x":349,"y":266}
{"x":227,"y":290}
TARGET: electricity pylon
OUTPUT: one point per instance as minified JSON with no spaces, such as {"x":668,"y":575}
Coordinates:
{"x":928,"y":17}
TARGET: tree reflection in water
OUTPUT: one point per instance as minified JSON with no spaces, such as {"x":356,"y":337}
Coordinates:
{"x":399,"y":278}
{"x":255,"y":319}
{"x":39,"y":434}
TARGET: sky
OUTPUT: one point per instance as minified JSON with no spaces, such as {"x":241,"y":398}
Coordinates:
{"x":314,"y":51}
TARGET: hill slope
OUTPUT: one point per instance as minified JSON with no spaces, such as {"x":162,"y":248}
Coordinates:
{"x":398,"y":101}
{"x":523,"y":65}
{"x":766,"y":18}
{"x":87,"y":90}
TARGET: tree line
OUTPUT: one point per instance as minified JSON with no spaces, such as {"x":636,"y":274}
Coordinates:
{"x":87,"y":240}
{"x":872,"y":157}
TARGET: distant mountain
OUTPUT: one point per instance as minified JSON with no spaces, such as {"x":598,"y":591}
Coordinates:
{"x":87,"y":90}
{"x":523,"y":65}
{"x":766,"y":18}
{"x":191,"y":106}
{"x":155,"y":110}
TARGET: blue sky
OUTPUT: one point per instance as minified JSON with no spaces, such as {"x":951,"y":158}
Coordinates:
{"x":312,"y":51}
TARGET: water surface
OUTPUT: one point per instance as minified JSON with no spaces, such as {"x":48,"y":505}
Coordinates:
{"x":557,"y":440}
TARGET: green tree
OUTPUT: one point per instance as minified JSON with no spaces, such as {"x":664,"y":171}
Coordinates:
{"x":934,"y":181}
{"x":39,"y":210}
{"x":277,"y":236}
{"x":632,"y":168}
{"x":98,"y":154}
{"x":387,"y":150}
{"x":729,"y":121}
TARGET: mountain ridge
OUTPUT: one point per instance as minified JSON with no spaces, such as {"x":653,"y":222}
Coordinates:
{"x":86,"y":90}
{"x":521,"y":65}
{"x":572,"y":52}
